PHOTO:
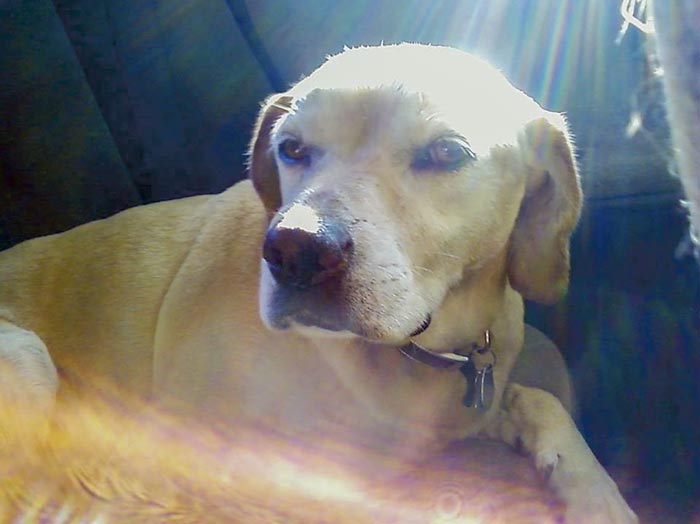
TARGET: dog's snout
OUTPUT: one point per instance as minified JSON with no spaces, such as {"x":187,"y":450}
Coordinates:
{"x":303,"y":258}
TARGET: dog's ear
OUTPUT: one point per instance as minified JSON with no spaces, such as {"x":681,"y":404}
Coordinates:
{"x":539,"y":251}
{"x":262,"y":168}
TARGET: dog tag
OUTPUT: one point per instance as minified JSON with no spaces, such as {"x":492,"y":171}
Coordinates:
{"x":480,"y":386}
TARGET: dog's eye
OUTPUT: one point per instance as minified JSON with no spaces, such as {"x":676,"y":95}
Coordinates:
{"x":444,"y":154}
{"x":292,"y":151}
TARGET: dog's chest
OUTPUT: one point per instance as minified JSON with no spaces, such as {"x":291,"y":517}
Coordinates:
{"x":378,"y":400}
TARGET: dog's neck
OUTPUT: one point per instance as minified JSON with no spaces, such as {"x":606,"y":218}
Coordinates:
{"x":468,"y":311}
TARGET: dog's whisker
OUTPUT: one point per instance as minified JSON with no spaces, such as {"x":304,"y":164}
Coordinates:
{"x":432,"y":116}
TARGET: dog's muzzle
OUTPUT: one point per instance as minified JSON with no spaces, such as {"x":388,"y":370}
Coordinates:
{"x":304,"y":257}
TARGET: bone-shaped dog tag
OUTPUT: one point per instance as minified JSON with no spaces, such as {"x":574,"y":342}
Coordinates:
{"x":480,"y":386}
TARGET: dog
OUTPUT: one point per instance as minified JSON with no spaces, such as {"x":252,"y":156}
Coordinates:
{"x":366,"y":284}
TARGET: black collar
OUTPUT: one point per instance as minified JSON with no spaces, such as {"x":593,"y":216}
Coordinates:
{"x":445,"y":360}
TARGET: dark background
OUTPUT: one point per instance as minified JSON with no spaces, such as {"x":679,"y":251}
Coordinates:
{"x":105,"y":104}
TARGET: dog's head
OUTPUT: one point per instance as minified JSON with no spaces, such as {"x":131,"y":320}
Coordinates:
{"x":390,"y":175}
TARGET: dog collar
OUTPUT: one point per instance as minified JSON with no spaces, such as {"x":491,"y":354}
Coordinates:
{"x":420,"y":354}
{"x":477,"y":371}
{"x":446,"y":360}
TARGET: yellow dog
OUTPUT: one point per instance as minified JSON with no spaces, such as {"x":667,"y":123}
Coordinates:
{"x":366,"y":286}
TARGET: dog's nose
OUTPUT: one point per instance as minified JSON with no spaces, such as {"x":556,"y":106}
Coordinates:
{"x":303,"y":258}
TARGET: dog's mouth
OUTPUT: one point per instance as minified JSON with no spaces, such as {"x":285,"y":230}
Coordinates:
{"x":333,"y":323}
{"x":423,"y":326}
{"x":309,"y":284}
{"x":333,"y":328}
{"x":329,"y":323}
{"x":326,"y":310}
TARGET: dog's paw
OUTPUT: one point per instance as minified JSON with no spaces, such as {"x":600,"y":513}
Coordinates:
{"x":538,"y":423}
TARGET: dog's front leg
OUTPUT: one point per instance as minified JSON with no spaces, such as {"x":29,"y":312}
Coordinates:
{"x":28,"y":382}
{"x":536,"y":421}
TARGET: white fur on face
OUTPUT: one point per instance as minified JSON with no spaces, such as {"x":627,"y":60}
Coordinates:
{"x":416,"y":233}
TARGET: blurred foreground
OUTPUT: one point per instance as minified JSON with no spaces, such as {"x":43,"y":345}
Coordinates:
{"x":111,"y":460}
